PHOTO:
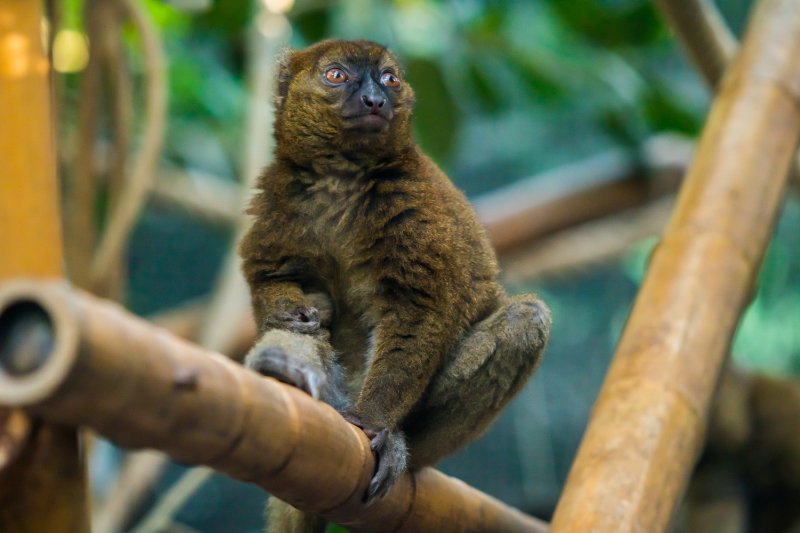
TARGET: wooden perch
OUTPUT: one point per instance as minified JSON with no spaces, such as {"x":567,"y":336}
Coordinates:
{"x":710,"y":45}
{"x":587,"y":244}
{"x":78,"y":360}
{"x":648,"y":423}
{"x":42,"y":485}
{"x":518,"y":214}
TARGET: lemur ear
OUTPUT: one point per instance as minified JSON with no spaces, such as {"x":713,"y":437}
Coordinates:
{"x":284,"y":76}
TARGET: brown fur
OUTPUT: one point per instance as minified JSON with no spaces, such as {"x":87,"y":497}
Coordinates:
{"x":429,"y":346}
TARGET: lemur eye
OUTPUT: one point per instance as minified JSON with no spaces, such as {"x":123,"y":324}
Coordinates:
{"x":390,"y":80}
{"x":336,"y":76}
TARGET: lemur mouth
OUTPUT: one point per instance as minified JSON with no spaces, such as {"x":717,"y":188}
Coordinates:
{"x":369,"y":122}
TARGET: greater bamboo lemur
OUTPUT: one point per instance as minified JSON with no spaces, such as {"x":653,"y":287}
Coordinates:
{"x":373,"y":283}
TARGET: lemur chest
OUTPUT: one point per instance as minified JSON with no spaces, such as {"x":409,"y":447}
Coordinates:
{"x":340,"y":232}
{"x":332,"y":209}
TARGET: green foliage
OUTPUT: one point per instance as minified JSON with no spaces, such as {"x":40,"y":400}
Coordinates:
{"x":768,"y":337}
{"x":313,"y":24}
{"x":71,"y":11}
{"x":436,"y":115}
{"x":170,"y":21}
{"x":612,"y":24}
{"x":227,"y":19}
{"x":477,"y":62}
{"x":664,"y":108}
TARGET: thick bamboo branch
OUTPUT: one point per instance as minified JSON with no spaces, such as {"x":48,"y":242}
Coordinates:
{"x":41,"y":483}
{"x":709,"y":43}
{"x":647,"y":426}
{"x":78,"y":360}
{"x":591,"y":243}
{"x":610,"y":182}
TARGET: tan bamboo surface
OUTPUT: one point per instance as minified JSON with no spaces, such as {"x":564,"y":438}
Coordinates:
{"x":42,"y":484}
{"x":96,"y":365}
{"x":647,"y":426}
{"x":30,"y":237}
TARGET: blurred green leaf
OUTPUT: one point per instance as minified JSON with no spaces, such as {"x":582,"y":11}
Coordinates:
{"x":491,"y":20}
{"x":71,"y":14}
{"x":622,"y":125}
{"x":312,"y":24}
{"x":436,"y":117}
{"x":634,"y":23}
{"x":663,"y":112}
{"x":227,"y":17}
{"x":536,"y":78}
{"x":490,"y":99}
{"x":167,"y":17}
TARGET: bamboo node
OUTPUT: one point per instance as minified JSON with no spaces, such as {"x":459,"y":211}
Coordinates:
{"x":186,"y":378}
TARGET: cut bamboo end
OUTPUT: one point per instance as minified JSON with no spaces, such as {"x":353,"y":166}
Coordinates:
{"x":74,"y":359}
{"x":38,"y":342}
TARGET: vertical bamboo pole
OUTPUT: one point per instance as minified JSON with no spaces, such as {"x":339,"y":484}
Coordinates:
{"x":647,"y":426}
{"x":43,"y":488}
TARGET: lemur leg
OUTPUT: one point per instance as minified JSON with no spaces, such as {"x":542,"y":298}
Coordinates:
{"x":305,"y":360}
{"x":283,"y":518}
{"x":486,"y":369}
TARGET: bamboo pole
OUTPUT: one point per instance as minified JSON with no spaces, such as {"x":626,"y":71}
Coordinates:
{"x":42,"y":484}
{"x":519,"y":214}
{"x":77,"y":360}
{"x":647,"y":425}
{"x":710,"y":45}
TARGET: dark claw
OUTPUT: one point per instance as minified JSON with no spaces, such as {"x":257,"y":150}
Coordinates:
{"x":391,"y":457}
{"x":312,"y":383}
{"x":392,"y":460}
{"x":356,"y":421}
{"x":275,"y":363}
{"x":353,"y":419}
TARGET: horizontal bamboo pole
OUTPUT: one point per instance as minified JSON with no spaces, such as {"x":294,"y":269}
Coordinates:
{"x":78,"y":360}
{"x":517,"y":215}
{"x":648,"y":423}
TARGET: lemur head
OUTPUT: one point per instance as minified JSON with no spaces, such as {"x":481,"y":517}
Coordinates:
{"x":342,"y":97}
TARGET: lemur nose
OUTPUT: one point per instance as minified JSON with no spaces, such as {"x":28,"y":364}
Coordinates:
{"x":373,"y":103}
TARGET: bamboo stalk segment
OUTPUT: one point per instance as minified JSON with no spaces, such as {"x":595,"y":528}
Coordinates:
{"x":30,"y":234}
{"x":647,"y":426}
{"x":42,"y":485}
{"x":94,"y":364}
